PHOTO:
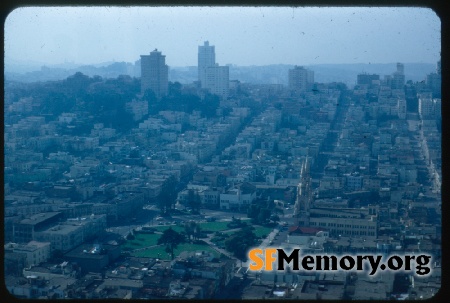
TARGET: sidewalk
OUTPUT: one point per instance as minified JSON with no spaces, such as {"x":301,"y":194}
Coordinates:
{"x":265,"y":243}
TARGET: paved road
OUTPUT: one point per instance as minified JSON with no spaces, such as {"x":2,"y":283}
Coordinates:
{"x":218,"y":249}
{"x":265,"y":243}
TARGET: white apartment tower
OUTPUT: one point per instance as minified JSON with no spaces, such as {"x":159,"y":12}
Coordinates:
{"x":211,"y":76}
{"x":206,"y":58}
{"x":400,"y":68}
{"x":217,"y":80}
{"x":154,"y":73}
{"x":300,"y":78}
{"x":398,"y":77}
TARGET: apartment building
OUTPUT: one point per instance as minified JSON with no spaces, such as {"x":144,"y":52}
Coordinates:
{"x":346,"y":221}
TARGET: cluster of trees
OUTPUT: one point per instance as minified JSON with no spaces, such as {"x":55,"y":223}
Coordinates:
{"x":258,"y":214}
{"x":171,"y":239}
{"x":193,"y":230}
{"x":194,"y":200}
{"x":240,"y":242}
{"x":261,"y":212}
{"x":168,"y":195}
{"x":236,"y":223}
{"x":178,"y":99}
{"x":106,"y":98}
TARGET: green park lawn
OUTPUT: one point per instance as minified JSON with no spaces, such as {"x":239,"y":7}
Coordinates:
{"x":160,"y":251}
{"x":214,"y":226}
{"x":141,"y":240}
{"x":176,"y":228}
{"x":207,"y":226}
{"x":261,"y":231}
{"x":217,"y":226}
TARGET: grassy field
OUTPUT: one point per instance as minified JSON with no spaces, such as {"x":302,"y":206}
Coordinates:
{"x":261,"y":231}
{"x":217,"y":226}
{"x":141,"y":240}
{"x":145,"y":240}
{"x":214,"y":226}
{"x":206,"y":226}
{"x":160,"y":251}
{"x":176,"y":228}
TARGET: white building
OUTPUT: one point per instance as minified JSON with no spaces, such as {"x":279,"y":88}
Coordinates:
{"x":346,"y":221}
{"x":36,"y":252}
{"x":426,"y":107}
{"x":239,"y":197}
{"x":217,"y":80}
{"x":307,"y":238}
{"x":137,"y":108}
{"x":211,"y":76}
{"x":354,"y":181}
{"x":401,"y":108}
{"x":398,"y":77}
{"x":300,"y":78}
{"x":206,"y":58}
{"x":73,"y":232}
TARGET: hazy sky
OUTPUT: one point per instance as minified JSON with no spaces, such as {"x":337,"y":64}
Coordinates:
{"x":241,"y":35}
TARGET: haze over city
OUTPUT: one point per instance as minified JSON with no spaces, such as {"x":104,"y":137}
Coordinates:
{"x":242,"y":35}
{"x":185,"y":152}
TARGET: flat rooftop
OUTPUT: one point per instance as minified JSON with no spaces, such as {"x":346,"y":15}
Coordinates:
{"x":38,"y":218}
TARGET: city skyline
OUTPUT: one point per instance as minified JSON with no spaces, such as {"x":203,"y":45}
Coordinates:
{"x":242,"y":35}
{"x":119,"y":184}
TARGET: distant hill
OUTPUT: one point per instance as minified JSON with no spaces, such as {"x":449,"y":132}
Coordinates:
{"x":59,"y":72}
{"x":267,"y":74}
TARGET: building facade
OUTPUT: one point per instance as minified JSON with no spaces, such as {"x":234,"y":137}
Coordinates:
{"x":346,"y":221}
{"x":24,"y":231}
{"x":36,"y":252}
{"x":366,"y":79}
{"x":398,"y":77}
{"x":238,"y":197}
{"x":217,"y":80}
{"x":211,"y":76}
{"x":154,"y":73}
{"x":206,"y":58}
{"x":67,"y":235}
{"x":300,"y":78}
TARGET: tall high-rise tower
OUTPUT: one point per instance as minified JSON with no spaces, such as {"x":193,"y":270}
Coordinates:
{"x":300,"y":78}
{"x":400,"y":68}
{"x":206,"y":58}
{"x":434,"y":81}
{"x":398,"y":77}
{"x":212,"y":77}
{"x":154,"y":73}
